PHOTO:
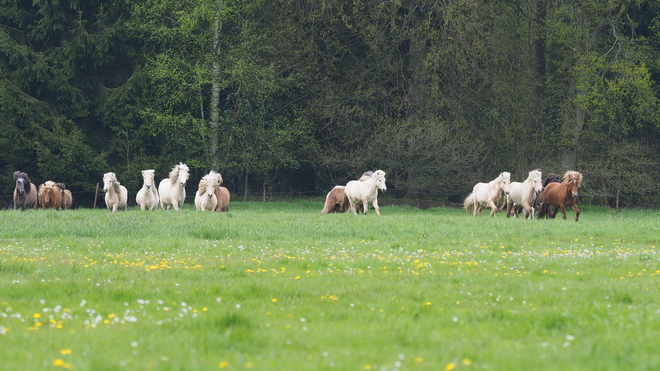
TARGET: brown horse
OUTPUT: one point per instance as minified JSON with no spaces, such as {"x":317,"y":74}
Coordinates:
{"x":561,"y":195}
{"x":25,"y":193}
{"x":67,"y":197}
{"x":222,"y":193}
{"x":50,"y":196}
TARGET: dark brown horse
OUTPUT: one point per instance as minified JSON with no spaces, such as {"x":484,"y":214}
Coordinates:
{"x":561,"y":195}
{"x":50,"y":196}
{"x":25,"y":193}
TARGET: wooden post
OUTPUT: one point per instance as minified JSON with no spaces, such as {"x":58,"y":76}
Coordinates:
{"x":96,"y":194}
{"x":618,"y":193}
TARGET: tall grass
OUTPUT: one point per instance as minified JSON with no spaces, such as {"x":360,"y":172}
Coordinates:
{"x":279,"y":286}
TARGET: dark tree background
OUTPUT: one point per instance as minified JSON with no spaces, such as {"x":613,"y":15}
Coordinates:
{"x":295,"y":96}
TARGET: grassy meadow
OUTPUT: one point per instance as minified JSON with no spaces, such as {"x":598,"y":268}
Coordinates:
{"x":279,"y":286}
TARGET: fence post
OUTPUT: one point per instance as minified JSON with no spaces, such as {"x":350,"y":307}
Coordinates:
{"x":96,"y":194}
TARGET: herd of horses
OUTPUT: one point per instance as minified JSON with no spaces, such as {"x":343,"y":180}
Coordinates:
{"x":548,"y":196}
{"x":171,"y":192}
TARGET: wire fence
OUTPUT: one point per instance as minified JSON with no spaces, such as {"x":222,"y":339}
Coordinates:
{"x":422,"y":200}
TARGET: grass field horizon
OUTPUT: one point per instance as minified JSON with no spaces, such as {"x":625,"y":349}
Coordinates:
{"x":279,"y":286}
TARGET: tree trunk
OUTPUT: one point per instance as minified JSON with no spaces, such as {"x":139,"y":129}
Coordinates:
{"x":215,"y":89}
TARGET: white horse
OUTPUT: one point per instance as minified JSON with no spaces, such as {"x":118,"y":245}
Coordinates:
{"x":365,"y":192}
{"x":205,"y":198}
{"x":524,"y":194}
{"x":147,"y":196}
{"x":172,"y":190}
{"x":116,"y":195}
{"x":487,"y":194}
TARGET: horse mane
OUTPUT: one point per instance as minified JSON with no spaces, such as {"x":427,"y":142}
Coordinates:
{"x":211,"y":177}
{"x":24,"y":176}
{"x":174,"y":174}
{"x":533,"y":174}
{"x":573,"y":175}
{"x":551,"y":178}
{"x":46,"y":184}
{"x":61,"y":186}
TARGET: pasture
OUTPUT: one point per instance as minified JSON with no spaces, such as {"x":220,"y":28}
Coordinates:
{"x":279,"y":286}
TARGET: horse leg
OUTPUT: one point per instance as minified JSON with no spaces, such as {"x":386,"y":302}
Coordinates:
{"x":577,"y":211}
{"x":375,"y":203}
{"x":493,"y":208}
{"x":529,"y":209}
{"x":509,"y":206}
{"x":365,"y":206}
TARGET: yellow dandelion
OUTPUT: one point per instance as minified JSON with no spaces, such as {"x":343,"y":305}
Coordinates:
{"x":223,"y":364}
{"x":274,"y":300}
{"x":36,"y":315}
{"x":450,"y":366}
{"x":65,"y":351}
{"x":466,"y":362}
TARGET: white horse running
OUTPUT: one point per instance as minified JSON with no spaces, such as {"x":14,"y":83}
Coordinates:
{"x":487,"y":194}
{"x":172,"y":190}
{"x":365,"y":192}
{"x":205,"y":198}
{"x":524,"y":194}
{"x":116,"y":195}
{"x":147,"y":196}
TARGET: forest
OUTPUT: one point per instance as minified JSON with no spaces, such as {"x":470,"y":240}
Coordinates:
{"x":292,"y":97}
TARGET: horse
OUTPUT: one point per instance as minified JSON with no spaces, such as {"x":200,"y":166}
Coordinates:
{"x":172,"y":190}
{"x":147,"y":196}
{"x":561,"y":195}
{"x":551,"y":178}
{"x":205,"y":198}
{"x":116,"y":195}
{"x":524,"y":194}
{"x":365,"y":192}
{"x":336,"y":201}
{"x":25,"y":193}
{"x":50,"y":196}
{"x":487,"y":194}
{"x":222,"y":194}
{"x":67,"y":197}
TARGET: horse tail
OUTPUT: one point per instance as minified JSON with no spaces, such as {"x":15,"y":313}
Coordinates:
{"x":469,"y":202}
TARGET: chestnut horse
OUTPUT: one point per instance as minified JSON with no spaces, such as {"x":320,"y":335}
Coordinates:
{"x":50,"y":196}
{"x":561,"y":195}
{"x":25,"y":193}
{"x":67,"y":197}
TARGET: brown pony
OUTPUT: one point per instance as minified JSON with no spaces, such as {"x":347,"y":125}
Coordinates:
{"x":222,"y":193}
{"x":50,"y":196}
{"x":336,"y":201}
{"x":67,"y":197}
{"x":561,"y":195}
{"x":25,"y":193}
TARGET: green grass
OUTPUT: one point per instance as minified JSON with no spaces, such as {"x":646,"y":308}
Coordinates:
{"x":279,"y":286}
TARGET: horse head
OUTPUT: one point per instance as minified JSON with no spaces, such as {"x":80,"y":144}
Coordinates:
{"x":574,"y":180}
{"x":536,"y":181}
{"x":108,"y":181}
{"x":21,"y":182}
{"x":505,"y":181}
{"x":148,"y":176}
{"x":182,"y":173}
{"x":379,"y":175}
{"x":48,"y":194}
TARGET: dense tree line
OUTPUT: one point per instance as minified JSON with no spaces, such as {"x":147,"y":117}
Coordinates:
{"x":300,"y":95}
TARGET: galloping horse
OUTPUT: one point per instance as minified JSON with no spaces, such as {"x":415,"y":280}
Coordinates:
{"x":524,"y":194}
{"x":172,"y":190}
{"x":25,"y":193}
{"x":205,"y":198}
{"x":50,"y":196}
{"x":116,"y":195}
{"x":365,"y":192}
{"x":487,"y":194}
{"x":147,"y":196}
{"x":561,"y":195}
